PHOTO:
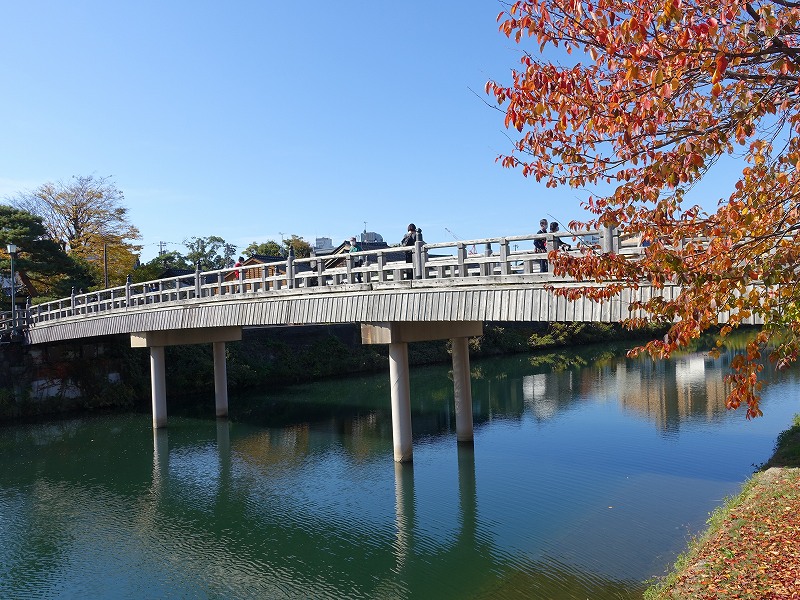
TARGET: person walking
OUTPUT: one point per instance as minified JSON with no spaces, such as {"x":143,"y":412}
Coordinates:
{"x":409,"y":239}
{"x":358,"y":261}
{"x":540,"y":245}
{"x":558,"y":244}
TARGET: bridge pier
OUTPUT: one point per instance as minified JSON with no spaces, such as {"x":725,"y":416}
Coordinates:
{"x":157,"y":340}
{"x":398,"y":335}
{"x":158,"y":386}
{"x":462,"y":390}
{"x":401,"y":402}
{"x":220,"y":379}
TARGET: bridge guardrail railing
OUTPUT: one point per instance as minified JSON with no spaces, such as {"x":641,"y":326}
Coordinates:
{"x":495,"y":256}
{"x":5,"y":322}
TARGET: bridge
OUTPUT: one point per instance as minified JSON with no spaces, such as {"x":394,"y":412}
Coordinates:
{"x":435,"y":291}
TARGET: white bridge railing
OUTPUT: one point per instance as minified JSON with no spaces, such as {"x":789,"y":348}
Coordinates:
{"x":511,"y":256}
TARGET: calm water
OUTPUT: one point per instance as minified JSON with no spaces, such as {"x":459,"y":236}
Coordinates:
{"x":583,"y":482}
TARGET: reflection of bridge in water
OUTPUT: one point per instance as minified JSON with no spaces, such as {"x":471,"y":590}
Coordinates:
{"x":233,"y":469}
{"x":442,"y":293}
{"x":390,"y":559}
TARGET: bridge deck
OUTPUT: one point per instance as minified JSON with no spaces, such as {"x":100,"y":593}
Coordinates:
{"x":443,"y":282}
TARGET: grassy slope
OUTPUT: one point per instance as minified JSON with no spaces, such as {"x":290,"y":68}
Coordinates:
{"x":751,"y":548}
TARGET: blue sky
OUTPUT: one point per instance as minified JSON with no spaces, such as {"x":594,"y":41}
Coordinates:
{"x":248,"y":119}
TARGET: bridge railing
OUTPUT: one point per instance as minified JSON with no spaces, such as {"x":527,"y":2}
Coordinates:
{"x":5,"y":322}
{"x":497,"y":256}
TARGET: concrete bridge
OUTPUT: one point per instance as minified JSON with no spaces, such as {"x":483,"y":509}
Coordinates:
{"x":441,"y":291}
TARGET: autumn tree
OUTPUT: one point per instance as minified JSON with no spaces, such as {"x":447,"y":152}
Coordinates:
{"x":302,"y":249}
{"x":636,"y":103}
{"x":87,"y":218}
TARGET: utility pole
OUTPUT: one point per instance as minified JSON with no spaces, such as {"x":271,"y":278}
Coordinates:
{"x":162,"y":248}
{"x":105,"y":263}
{"x":12,"y":253}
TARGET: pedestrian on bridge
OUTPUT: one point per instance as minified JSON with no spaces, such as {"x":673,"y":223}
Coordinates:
{"x":409,"y":239}
{"x":359,"y":261}
{"x":558,"y":243}
{"x":540,"y":244}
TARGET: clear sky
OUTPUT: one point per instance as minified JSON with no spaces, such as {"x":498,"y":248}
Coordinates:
{"x":250,"y":119}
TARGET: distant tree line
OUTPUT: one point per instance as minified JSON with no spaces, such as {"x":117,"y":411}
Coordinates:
{"x":76,"y":235}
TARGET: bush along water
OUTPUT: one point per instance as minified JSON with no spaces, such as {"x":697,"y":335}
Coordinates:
{"x":108,"y":373}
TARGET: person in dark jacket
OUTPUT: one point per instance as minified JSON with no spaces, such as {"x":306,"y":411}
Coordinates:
{"x":540,"y":244}
{"x":409,"y":239}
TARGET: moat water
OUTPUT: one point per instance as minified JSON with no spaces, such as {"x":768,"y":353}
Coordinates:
{"x":584,"y":481}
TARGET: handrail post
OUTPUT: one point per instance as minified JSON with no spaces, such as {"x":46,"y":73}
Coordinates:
{"x":419,"y":263}
{"x":128,"y":281}
{"x":240,"y":277}
{"x":382,"y":275}
{"x":610,"y":239}
{"x":550,"y":244}
{"x":320,"y":269}
{"x":606,"y":241}
{"x":504,"y":267}
{"x":487,"y":266}
{"x":290,"y":268}
{"x":72,"y":302}
{"x":462,"y":259}
{"x":348,"y":263}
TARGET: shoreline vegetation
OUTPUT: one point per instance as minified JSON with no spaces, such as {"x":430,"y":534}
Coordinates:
{"x":78,"y":373}
{"x":751,"y":547}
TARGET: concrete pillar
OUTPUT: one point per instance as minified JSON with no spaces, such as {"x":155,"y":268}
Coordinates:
{"x":462,"y":390}
{"x":158,"y":386}
{"x":220,"y":379}
{"x":401,"y":402}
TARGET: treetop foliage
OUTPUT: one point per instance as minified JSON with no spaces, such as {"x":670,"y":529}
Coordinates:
{"x":86,"y":217}
{"x":268,"y":248}
{"x":210,"y":253}
{"x":79,"y":211}
{"x":655,"y":95}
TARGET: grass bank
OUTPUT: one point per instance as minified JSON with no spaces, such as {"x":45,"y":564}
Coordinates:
{"x":751,"y":548}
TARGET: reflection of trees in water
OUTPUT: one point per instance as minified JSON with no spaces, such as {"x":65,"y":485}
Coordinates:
{"x":667,"y":392}
{"x":689,"y":386}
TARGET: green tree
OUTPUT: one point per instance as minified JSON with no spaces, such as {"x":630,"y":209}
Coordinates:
{"x":268,"y":248}
{"x":154,"y":268}
{"x":210,"y":252}
{"x":47,"y":271}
